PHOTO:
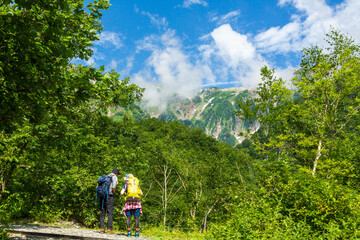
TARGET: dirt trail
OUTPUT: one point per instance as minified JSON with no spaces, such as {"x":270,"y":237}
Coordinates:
{"x":42,"y":232}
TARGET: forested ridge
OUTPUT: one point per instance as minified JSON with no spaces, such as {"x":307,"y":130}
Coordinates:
{"x":297,"y":177}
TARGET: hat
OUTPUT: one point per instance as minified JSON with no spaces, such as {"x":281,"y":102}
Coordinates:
{"x":115,"y":170}
{"x":127,"y":176}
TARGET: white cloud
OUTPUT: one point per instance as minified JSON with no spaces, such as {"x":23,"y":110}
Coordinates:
{"x":309,"y":26}
{"x":188,"y":3}
{"x":159,"y":22}
{"x":233,"y":47}
{"x":232,"y":56}
{"x":228,"y":58}
{"x":136,"y":9}
{"x":227,"y":18}
{"x":113,"y":64}
{"x":286,"y":74}
{"x":278,"y":39}
{"x":347,"y":18}
{"x":168,"y":71}
{"x":109,"y":39}
{"x":315,"y":8}
{"x":129,"y":65}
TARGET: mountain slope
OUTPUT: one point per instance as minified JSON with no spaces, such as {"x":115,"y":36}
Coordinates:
{"x":211,"y":109}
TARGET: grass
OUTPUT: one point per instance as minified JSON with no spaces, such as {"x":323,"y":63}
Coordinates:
{"x":157,"y":233}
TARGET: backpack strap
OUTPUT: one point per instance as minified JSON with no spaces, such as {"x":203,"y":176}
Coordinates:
{"x":96,"y":195}
{"x":110,"y":182}
{"x":108,"y":187}
{"x":107,"y":191}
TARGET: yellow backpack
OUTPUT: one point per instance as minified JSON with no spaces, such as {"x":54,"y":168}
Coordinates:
{"x":133,"y":189}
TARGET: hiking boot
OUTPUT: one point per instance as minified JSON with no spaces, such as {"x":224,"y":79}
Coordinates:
{"x":102,"y":230}
{"x":111,"y":231}
{"x":129,"y":233}
{"x":137,"y":234}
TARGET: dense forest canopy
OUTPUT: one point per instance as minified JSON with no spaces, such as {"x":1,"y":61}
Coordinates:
{"x":297,"y":177}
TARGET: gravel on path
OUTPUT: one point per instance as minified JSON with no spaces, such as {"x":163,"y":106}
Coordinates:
{"x":44,"y":232}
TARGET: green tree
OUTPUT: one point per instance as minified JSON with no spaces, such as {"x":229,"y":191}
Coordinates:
{"x":38,"y":41}
{"x":308,"y":126}
{"x":269,"y":113}
{"x":40,"y":89}
{"x":329,"y":83}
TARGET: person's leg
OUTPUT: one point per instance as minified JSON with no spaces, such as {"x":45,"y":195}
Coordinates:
{"x":102,"y":214}
{"x":110,"y":210}
{"x":128,"y":222}
{"x":137,"y":221}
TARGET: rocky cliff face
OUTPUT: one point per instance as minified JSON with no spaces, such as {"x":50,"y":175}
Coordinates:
{"x":211,"y":109}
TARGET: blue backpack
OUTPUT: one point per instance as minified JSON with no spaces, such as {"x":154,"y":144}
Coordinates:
{"x":102,"y":190}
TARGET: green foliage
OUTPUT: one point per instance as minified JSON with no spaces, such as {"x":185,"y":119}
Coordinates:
{"x":309,"y":184}
{"x":312,"y":125}
{"x":134,"y":111}
{"x":199,"y":124}
{"x":298,"y":208}
{"x":193,"y":160}
{"x":38,"y":40}
{"x":243,"y":95}
{"x":168,"y":116}
{"x":4,"y":221}
{"x":225,"y":136}
{"x":3,"y":234}
{"x":196,"y":99}
{"x":248,"y":146}
{"x":157,"y":233}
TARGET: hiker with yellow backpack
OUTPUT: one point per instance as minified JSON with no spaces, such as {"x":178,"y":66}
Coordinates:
{"x":132,"y":203}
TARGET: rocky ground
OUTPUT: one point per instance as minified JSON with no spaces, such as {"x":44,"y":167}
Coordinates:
{"x":39,"y":232}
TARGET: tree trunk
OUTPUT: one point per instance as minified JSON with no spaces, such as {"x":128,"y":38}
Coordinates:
{"x":197,"y":199}
{"x":241,"y":178}
{"x":2,"y":181}
{"x":167,"y":190}
{"x":207,"y":213}
{"x":5,"y":179}
{"x":318,"y":155}
{"x":204,"y":224}
{"x":165,"y":195}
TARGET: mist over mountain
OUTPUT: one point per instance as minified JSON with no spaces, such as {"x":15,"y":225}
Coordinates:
{"x":211,"y":109}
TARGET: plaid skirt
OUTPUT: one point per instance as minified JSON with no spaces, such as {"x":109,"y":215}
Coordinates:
{"x":131,"y":205}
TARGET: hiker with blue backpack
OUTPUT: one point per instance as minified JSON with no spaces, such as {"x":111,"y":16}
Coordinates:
{"x":105,"y":192}
{"x":132,"y":205}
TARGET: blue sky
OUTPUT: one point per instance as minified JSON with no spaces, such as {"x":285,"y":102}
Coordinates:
{"x":179,"y":46}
